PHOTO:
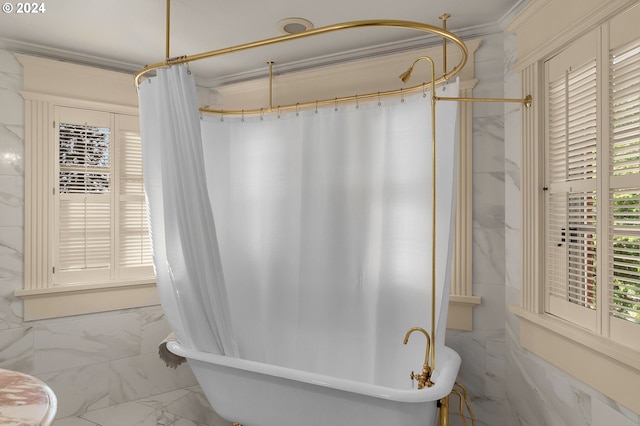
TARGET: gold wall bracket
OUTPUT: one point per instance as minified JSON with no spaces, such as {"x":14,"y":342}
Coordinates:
{"x":526,"y":101}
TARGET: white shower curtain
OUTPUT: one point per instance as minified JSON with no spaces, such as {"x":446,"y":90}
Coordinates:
{"x":189,"y":274}
{"x":323,"y":223}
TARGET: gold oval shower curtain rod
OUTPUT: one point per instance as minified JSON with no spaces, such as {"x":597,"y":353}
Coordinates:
{"x":442,"y":32}
{"x":317,"y":31}
{"x":312,"y":32}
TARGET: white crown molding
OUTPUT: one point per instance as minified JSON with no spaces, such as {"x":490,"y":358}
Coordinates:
{"x":535,"y":45}
{"x":422,"y":42}
{"x":68,"y":56}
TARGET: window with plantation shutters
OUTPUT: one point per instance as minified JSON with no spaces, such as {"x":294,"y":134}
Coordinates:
{"x":592,"y":185}
{"x":101,"y":231}
{"x":86,"y":246}
{"x":580,"y":196}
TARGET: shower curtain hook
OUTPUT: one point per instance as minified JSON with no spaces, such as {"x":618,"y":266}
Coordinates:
{"x":316,"y":106}
{"x":188,"y":69}
{"x":401,"y":96}
{"x":379,"y":102}
{"x":278,"y":111}
{"x":221,"y":117}
{"x":357,"y":105}
{"x":242,"y":119}
{"x":336,"y":104}
{"x":424,"y":90}
{"x":261,"y":114}
{"x":297,"y":111}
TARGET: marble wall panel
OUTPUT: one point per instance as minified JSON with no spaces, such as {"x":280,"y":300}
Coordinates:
{"x":488,"y":144}
{"x":11,"y":251}
{"x":608,"y":412}
{"x":488,"y":256}
{"x":139,"y":377}
{"x":10,"y":306}
{"x":11,"y":150}
{"x":11,"y":102}
{"x":488,"y":201}
{"x":153,"y":329}
{"x":79,"y":389}
{"x":68,"y":344}
{"x":11,"y":200}
{"x":489,"y":315}
{"x":16,"y":349}
{"x":512,"y":260}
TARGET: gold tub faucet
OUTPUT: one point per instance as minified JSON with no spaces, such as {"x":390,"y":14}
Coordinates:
{"x":423,"y":379}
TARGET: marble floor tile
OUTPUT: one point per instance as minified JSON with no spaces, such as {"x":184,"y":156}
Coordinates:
{"x":129,"y":413}
{"x":184,"y":407}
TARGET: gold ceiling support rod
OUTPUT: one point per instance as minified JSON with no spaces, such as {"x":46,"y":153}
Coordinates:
{"x":168,"y":41}
{"x":270,"y":85}
{"x":444,"y":18}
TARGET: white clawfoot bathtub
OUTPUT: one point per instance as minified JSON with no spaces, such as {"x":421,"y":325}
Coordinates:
{"x":258,"y":394}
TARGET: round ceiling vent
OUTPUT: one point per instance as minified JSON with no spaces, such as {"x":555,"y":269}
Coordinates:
{"x":294,"y":25}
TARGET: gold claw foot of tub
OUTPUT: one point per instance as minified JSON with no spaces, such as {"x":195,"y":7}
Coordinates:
{"x":235,"y":424}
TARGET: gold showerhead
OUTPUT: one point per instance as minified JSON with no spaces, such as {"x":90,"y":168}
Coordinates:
{"x":405,"y":76}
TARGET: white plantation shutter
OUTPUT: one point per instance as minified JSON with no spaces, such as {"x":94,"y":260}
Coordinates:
{"x":592,"y":173}
{"x":84,"y":216}
{"x":101,"y":234}
{"x":134,"y":254}
{"x":624,"y":193}
{"x":571,"y":170}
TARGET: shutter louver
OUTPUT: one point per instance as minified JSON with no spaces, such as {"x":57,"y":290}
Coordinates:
{"x":84,"y":155}
{"x":556,"y":267}
{"x":624,"y":195}
{"x":134,"y":256}
{"x":85,"y":233}
{"x":581,"y":249}
{"x":581,"y":122}
{"x":135,"y":247}
{"x":624,"y":255}
{"x":557,"y":129}
{"x":625,"y":110}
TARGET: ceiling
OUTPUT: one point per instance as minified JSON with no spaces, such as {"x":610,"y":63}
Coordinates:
{"x":126,"y":35}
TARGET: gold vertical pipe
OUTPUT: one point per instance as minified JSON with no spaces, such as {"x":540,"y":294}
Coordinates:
{"x":270,"y":85}
{"x":444,"y":411}
{"x":433,"y":212}
{"x":444,"y":18}
{"x":167,"y":52}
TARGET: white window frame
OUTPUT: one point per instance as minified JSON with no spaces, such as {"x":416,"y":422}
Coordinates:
{"x":50,"y":84}
{"x":590,"y":356}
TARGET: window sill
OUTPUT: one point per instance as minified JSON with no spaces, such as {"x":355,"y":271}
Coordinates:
{"x":460,"y":315}
{"x":85,"y":299}
{"x":604,"y":365}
